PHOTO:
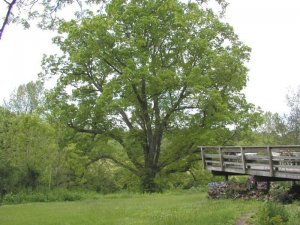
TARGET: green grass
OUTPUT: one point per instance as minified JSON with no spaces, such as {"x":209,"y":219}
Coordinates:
{"x":155,"y":209}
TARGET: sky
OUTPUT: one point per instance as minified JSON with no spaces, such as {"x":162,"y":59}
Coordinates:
{"x":270,"y":27}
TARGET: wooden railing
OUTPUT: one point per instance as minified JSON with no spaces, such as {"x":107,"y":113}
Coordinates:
{"x":268,"y":161}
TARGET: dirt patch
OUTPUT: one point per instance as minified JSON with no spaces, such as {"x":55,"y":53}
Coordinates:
{"x":244,"y":219}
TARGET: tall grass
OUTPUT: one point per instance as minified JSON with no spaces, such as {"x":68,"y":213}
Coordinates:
{"x":155,"y":209}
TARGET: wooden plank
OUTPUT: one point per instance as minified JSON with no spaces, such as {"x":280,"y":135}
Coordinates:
{"x":213,"y":168}
{"x":256,"y":157}
{"x":243,"y":160}
{"x":233,"y":163}
{"x":286,"y":158}
{"x":287,"y":166}
{"x":257,"y":166}
{"x":234,"y":170}
{"x":283,"y":147}
{"x":231,"y":156}
{"x":203,"y":158}
{"x":288,"y":170}
{"x":287,"y":175}
{"x":231,"y":150}
{"x":270,"y":161}
{"x":212,"y":156}
{"x":212,"y":162}
{"x":258,"y":172}
{"x":221,"y":158}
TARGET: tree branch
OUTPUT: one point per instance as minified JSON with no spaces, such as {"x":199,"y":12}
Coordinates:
{"x":95,"y":131}
{"x":183,"y":169}
{"x":109,"y":157}
{"x":112,"y":66}
{"x":98,"y":85}
{"x":182,"y":95}
{"x":177,"y":157}
{"x":125,"y":118}
{"x":5,"y":22}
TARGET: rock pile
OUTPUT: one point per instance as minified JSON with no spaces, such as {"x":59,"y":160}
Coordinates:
{"x":259,"y":191}
{"x":233,"y":191}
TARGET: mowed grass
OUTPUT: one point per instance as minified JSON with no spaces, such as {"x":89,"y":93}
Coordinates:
{"x":155,"y":209}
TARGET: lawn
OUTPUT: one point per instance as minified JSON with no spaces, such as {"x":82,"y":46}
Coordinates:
{"x":155,"y":209}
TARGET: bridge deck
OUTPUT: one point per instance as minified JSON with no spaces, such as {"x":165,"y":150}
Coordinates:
{"x":276,"y":162}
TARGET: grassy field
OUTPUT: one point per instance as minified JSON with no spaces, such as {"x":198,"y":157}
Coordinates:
{"x":155,"y":209}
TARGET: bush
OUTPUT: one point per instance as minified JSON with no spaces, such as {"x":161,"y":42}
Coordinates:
{"x":9,"y":179}
{"x":46,"y":196}
{"x":272,"y":214}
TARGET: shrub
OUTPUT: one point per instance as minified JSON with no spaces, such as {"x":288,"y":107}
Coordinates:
{"x":46,"y":196}
{"x":272,"y":214}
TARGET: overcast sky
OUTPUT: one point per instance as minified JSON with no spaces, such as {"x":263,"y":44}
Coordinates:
{"x":270,"y":27}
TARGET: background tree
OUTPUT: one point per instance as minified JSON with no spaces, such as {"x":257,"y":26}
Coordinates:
{"x":9,"y":175}
{"x":272,"y":131}
{"x":156,"y":78}
{"x":293,"y":117}
{"x":279,"y":129}
{"x":26,"y":99}
{"x":28,"y":151}
{"x":32,"y":149}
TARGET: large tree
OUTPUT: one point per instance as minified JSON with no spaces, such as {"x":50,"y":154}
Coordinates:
{"x":157,"y":77}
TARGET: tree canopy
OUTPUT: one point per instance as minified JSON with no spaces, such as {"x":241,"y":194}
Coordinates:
{"x":156,"y":77}
{"x":48,"y":14}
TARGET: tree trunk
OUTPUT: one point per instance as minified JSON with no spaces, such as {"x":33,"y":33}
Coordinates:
{"x":148,"y":184}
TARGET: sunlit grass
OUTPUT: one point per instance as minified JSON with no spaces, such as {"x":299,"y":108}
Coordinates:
{"x":155,"y":209}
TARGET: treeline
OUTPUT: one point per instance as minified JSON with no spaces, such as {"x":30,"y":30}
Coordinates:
{"x":39,"y":152}
{"x":38,"y":155}
{"x":280,"y":129}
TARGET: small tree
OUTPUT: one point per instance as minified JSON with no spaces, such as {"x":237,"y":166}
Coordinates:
{"x":273,"y":130}
{"x":156,"y":77}
{"x":293,"y":117}
{"x":26,"y":99}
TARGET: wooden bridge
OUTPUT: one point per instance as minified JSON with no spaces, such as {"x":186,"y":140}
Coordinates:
{"x":267,"y":163}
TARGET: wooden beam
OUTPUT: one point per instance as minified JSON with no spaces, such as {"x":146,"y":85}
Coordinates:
{"x":269,"y":149}
{"x":203,"y":157}
{"x":243,"y":159}
{"x":221,"y":158}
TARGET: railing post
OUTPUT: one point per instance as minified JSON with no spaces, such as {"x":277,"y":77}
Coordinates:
{"x":221,"y":159}
{"x":243,"y":160}
{"x":270,"y":161}
{"x":203,"y":157}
